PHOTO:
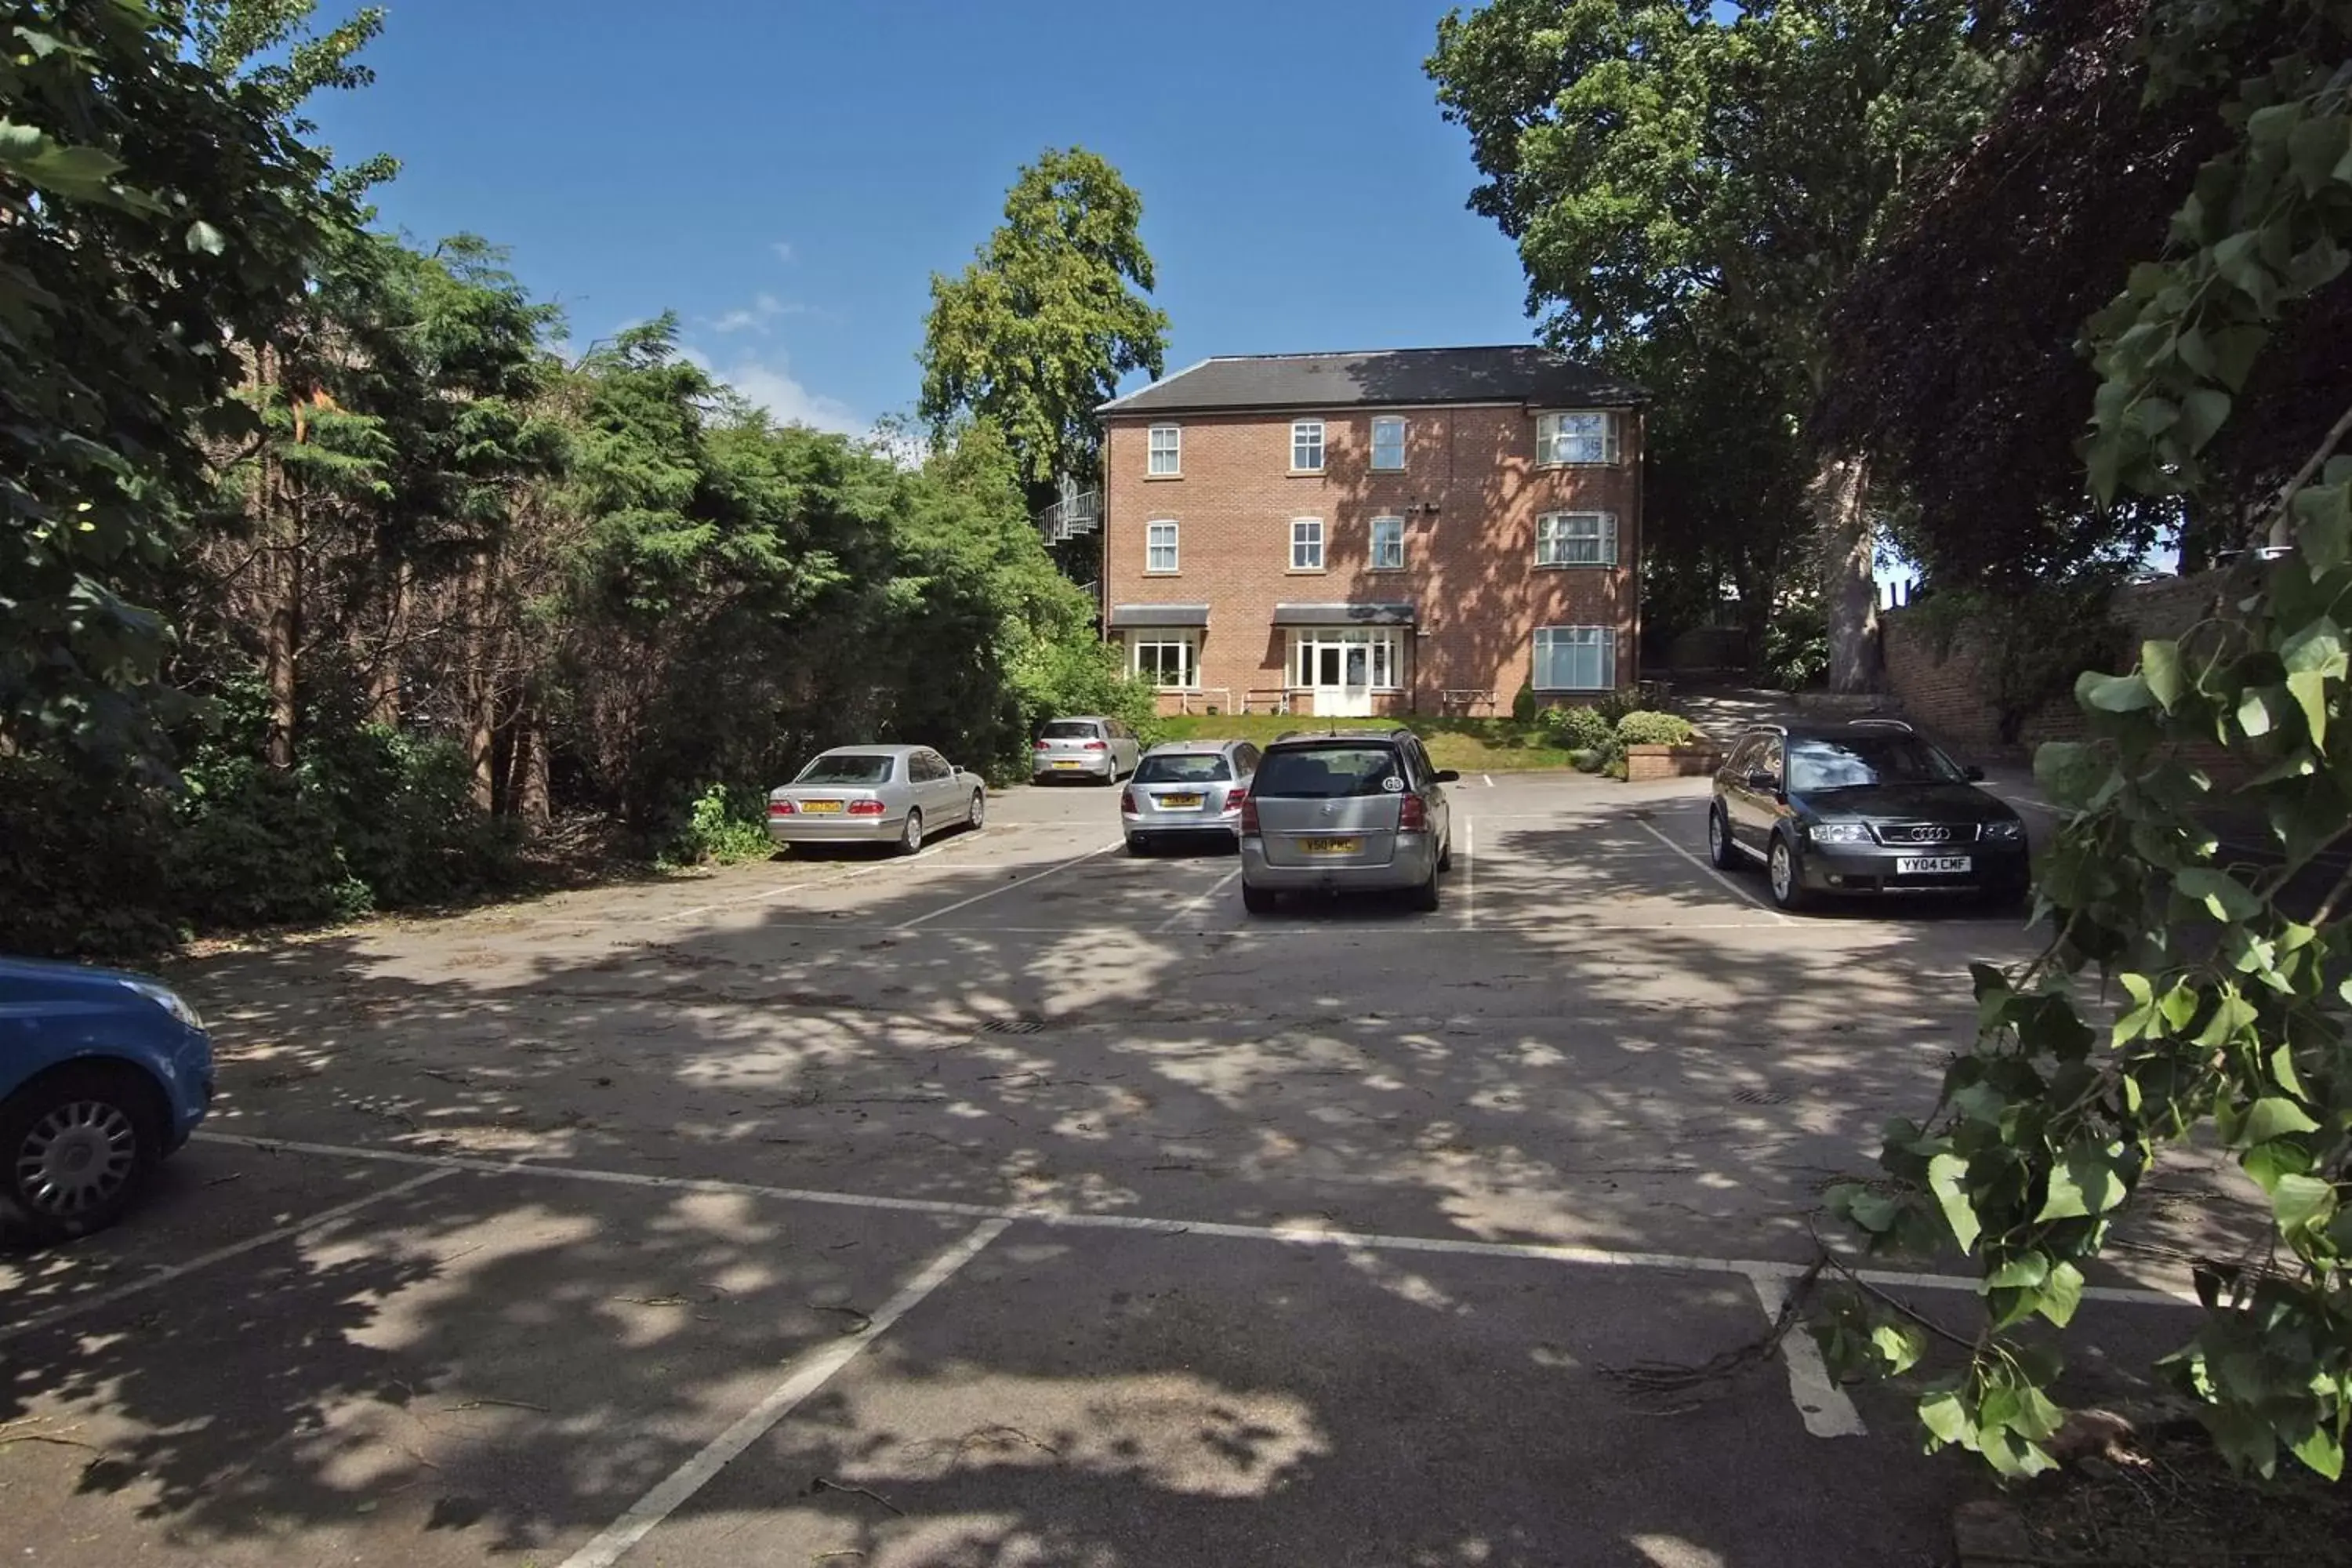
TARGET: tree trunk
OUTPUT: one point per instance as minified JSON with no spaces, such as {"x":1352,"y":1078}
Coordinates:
{"x":527,"y":776}
{"x":481,"y":680}
{"x":1846,"y":545}
{"x":383,"y":679}
{"x":283,"y":631}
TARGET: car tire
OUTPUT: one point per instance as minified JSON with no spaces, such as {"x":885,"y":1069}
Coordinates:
{"x":975,"y":816}
{"x":109,"y":1115}
{"x":910,"y":837}
{"x":1425,"y":898}
{"x":1721,"y":852}
{"x":1258,"y":901}
{"x":1784,"y":874}
{"x":1445,"y":855}
{"x":1138,"y":845}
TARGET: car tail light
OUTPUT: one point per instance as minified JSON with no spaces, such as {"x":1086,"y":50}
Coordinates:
{"x":1042,"y":746}
{"x":1127,"y":802}
{"x":1097,"y":745}
{"x":1413,"y":814}
{"x":1237,"y":797}
{"x":865,"y":808}
{"x":1249,"y":815}
{"x":780,"y":809}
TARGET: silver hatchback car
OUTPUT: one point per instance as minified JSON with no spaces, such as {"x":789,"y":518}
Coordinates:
{"x":1090,"y":746}
{"x":1346,"y":811}
{"x":1187,"y":789}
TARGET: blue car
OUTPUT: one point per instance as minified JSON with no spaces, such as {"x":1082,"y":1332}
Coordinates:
{"x":101,"y":1075}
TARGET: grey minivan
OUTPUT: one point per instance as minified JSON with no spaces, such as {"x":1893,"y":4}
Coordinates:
{"x":1346,"y":811}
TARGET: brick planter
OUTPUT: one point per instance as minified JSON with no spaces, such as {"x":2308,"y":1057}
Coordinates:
{"x":1647,"y":764}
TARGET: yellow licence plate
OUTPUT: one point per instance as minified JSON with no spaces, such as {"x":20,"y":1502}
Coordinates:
{"x":1178,"y":802}
{"x":1331,"y":845}
{"x":1068,"y":763}
{"x":820,"y":807}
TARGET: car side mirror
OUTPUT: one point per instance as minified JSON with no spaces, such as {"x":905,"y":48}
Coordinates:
{"x":1445,"y":775}
{"x":1973,"y":774}
{"x":1762,"y":779}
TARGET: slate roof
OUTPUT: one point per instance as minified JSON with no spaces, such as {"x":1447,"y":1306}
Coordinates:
{"x":1510,"y":373}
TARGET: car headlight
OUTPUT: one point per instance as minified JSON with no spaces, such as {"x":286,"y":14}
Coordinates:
{"x":1839,"y":833}
{"x":2008,"y":832}
{"x":170,"y":1001}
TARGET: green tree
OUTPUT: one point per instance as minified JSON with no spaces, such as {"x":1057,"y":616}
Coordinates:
{"x":2226,"y":962}
{"x":1037,"y":330}
{"x":1687,"y":191}
{"x":151,"y":212}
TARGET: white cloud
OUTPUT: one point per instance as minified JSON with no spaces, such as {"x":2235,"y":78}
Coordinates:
{"x":783,"y":249}
{"x":759,"y":317}
{"x":769,"y":386}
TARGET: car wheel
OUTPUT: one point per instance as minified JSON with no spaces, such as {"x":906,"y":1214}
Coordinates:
{"x":1138,"y":845}
{"x":77,"y":1143}
{"x":1258,"y":901}
{"x":1425,"y":898}
{"x":911,"y":838}
{"x":1445,"y":855}
{"x":1787,"y":874}
{"x":976,"y":818}
{"x":1720,"y":852}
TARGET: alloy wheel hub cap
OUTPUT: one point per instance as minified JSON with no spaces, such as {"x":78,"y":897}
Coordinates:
{"x":76,"y":1157}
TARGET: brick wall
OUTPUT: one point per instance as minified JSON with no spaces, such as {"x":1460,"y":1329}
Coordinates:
{"x":1469,"y":493}
{"x":1948,"y":696}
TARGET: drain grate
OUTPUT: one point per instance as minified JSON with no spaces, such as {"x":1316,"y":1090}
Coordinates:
{"x":1013,"y":1027}
{"x":1760,"y":1097}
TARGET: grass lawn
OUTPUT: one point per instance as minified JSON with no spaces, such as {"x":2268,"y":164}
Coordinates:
{"x":1467,"y":745}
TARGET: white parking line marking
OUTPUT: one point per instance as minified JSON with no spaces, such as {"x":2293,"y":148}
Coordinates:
{"x":1289,"y":1236}
{"x":1022,"y":882}
{"x":1172,"y":921}
{"x":218,"y":1255}
{"x":813,"y":1370}
{"x":928,"y":852}
{"x":1469,"y":873}
{"x":1827,"y":1412}
{"x":1489,"y":778}
{"x":1777,"y":918}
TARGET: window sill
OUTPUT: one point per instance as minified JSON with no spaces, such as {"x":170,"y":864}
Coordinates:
{"x":1306,"y":473}
{"x":1169,"y":572}
{"x":1307,"y":572}
{"x":1160,"y":479}
{"x":1603,"y":463}
{"x":1575,"y":566}
{"x":1385,"y":571}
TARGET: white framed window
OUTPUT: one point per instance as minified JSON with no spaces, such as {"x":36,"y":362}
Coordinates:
{"x":1160,"y":546}
{"x":1169,"y":659}
{"x":1388,"y":544}
{"x":1167,"y":450}
{"x":1388,"y":442}
{"x":1306,"y":544}
{"x":1581,"y":438}
{"x":1576,"y":539}
{"x":1307,"y":445}
{"x":1340,"y":656}
{"x":1576,"y":658}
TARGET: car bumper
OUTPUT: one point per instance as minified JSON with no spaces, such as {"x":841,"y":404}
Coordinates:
{"x":1169,"y":823}
{"x":1874,"y":869}
{"x":191,"y":1093}
{"x":1090,"y":768}
{"x":1415,"y":862}
{"x":837,"y":830}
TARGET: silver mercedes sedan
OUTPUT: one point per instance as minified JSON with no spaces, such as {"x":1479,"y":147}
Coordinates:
{"x":876,"y":794}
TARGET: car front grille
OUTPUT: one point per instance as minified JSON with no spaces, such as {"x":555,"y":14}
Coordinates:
{"x":1926,"y":833}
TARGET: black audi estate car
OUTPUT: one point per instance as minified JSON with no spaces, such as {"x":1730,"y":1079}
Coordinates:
{"x":1862,"y":807}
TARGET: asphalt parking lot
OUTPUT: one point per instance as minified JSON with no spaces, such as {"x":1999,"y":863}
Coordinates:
{"x":1023,"y":1203}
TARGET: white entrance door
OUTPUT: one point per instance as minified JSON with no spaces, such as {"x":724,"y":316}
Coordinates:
{"x":1337,"y":666}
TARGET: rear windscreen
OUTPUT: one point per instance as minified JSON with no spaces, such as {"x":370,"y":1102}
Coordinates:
{"x":1326,"y":772}
{"x":1206,"y":768}
{"x":847,"y":768}
{"x":1068,"y":729}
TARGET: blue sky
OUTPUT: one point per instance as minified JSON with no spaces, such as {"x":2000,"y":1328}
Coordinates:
{"x":787,"y":174}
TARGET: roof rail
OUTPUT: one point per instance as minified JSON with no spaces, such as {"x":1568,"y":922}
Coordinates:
{"x":1881,"y":724}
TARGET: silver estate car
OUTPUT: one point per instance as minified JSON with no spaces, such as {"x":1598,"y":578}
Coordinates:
{"x":1087,"y":746}
{"x":876,"y":794}
{"x":1346,"y":811}
{"x":1187,"y":789}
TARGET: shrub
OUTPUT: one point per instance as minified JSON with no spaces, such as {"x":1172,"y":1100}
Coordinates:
{"x":1579,"y":729}
{"x":254,"y":848}
{"x":81,"y":864}
{"x":1524,"y":704}
{"x":1614,"y":705}
{"x":722,"y":830}
{"x":1587,"y":759}
{"x":1647,"y":727}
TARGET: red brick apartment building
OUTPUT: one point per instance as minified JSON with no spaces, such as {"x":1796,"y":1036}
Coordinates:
{"x":1414,"y":531}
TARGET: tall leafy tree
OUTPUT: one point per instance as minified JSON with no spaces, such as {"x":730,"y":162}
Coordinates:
{"x":151,"y":213}
{"x":1686,"y":184}
{"x":1037,"y":330}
